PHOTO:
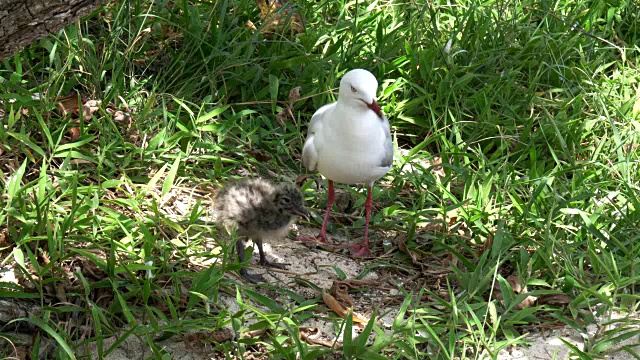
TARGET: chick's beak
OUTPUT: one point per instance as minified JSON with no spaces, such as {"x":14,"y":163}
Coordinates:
{"x":375,"y":107}
{"x":302,"y":212}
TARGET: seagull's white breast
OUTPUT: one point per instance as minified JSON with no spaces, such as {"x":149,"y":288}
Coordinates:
{"x":350,"y":147}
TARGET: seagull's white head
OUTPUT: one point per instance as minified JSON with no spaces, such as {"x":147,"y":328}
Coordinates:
{"x":358,"y":88}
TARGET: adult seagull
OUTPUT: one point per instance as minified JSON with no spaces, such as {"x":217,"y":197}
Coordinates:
{"x":349,"y":142}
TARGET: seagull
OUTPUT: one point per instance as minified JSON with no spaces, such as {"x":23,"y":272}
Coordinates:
{"x":257,"y":209}
{"x":349,"y":142}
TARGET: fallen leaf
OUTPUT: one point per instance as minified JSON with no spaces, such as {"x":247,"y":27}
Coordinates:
{"x":310,"y":336}
{"x":560,"y":299}
{"x":122,"y":116}
{"x":356,"y":284}
{"x":486,"y":245}
{"x":254,"y":333}
{"x":449,"y":260}
{"x":68,"y":105}
{"x":90,"y":107}
{"x":282,"y":116}
{"x":401,"y":242}
{"x":251,"y":25}
{"x":340,"y":309}
{"x":259,"y":155}
{"x":438,"y":170}
{"x":516,"y":286}
{"x":74,"y":133}
{"x":61,"y":294}
{"x":341,"y":291}
{"x":294,"y":95}
{"x":222,"y":335}
{"x":302,"y":178}
{"x":79,"y":161}
{"x":22,"y":353}
{"x":628,"y":148}
{"x":3,"y":238}
{"x":278,"y":16}
{"x":343,"y":201}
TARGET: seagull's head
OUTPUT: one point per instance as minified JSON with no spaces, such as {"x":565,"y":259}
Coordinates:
{"x":358,"y":87}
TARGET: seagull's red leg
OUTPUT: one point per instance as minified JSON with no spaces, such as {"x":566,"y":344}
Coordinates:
{"x":363,"y":249}
{"x":322,"y":237}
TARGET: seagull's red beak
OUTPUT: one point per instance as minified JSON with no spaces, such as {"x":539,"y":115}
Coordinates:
{"x":376,"y":108}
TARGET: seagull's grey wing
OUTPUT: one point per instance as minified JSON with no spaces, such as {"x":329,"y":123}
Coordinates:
{"x":310,"y":149}
{"x":387,"y":158}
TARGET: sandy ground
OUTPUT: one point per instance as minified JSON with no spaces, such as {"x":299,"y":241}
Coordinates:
{"x":316,"y":266}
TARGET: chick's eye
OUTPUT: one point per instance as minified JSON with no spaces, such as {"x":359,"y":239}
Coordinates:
{"x":286,"y":200}
{"x":353,"y":89}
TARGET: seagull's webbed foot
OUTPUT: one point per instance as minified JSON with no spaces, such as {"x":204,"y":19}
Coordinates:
{"x":322,"y":237}
{"x":265,"y":262}
{"x":252,"y":278}
{"x":360,"y":250}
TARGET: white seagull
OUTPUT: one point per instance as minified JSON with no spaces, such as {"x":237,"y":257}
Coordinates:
{"x":349,"y":142}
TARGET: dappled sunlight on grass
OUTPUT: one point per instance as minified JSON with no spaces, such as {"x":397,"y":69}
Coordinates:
{"x":511,"y":210}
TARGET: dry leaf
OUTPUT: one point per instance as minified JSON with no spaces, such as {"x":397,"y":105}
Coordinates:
{"x":438,"y":170}
{"x":74,"y":133}
{"x":122,"y":116}
{"x":560,"y":299}
{"x":278,"y":16}
{"x":253,"y":333}
{"x":517,"y":287}
{"x":343,"y":201}
{"x":341,"y":291}
{"x":89,"y":108}
{"x":68,"y":105}
{"x":401,"y":243}
{"x":61,"y":294}
{"x":282,"y":116}
{"x":259,"y":155}
{"x":294,"y":95}
{"x":310,"y":336}
{"x":222,"y":335}
{"x":486,"y":245}
{"x":449,"y":260}
{"x":3,"y":238}
{"x":628,"y":148}
{"x":356,"y":284}
{"x":339,"y":309}
{"x":286,"y":112}
{"x":302,"y":178}
{"x":79,"y":161}
{"x":22,"y":353}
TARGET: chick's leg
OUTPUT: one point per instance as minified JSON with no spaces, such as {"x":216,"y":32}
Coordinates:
{"x":263,"y":259}
{"x":252,"y":278}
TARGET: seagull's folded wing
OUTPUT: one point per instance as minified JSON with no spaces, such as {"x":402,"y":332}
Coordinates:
{"x":310,"y":149}
{"x":309,"y":153}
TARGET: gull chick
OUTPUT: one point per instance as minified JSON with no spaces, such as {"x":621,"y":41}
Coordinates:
{"x":258,"y":209}
{"x":349,"y":142}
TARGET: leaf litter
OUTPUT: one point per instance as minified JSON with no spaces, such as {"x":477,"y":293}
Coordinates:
{"x":345,"y":284}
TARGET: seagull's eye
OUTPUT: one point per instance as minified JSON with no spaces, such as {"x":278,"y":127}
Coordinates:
{"x":286,"y":200}
{"x":353,"y":89}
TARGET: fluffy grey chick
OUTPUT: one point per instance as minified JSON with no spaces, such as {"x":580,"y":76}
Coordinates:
{"x":258,"y":209}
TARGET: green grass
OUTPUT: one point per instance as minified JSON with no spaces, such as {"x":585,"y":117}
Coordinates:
{"x":533,"y":107}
